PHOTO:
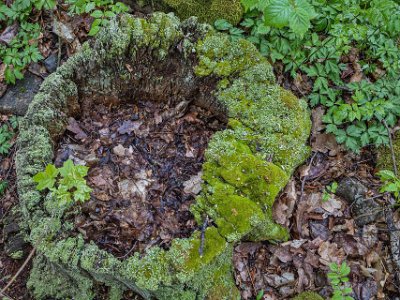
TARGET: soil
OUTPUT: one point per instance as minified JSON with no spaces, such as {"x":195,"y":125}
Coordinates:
{"x":145,"y":170}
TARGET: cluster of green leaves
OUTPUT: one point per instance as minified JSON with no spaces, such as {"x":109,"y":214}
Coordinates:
{"x":329,"y":190}
{"x":296,"y":14}
{"x":101,"y":10}
{"x":22,"y":49}
{"x":67,"y":183}
{"x":354,"y":111}
{"x":339,"y":279}
{"x":7,"y":132}
{"x":391,"y":183}
{"x":3,"y":186}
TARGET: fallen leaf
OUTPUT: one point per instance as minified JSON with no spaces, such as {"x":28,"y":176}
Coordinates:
{"x":193,"y":185}
{"x":333,"y":207}
{"x":119,"y":150}
{"x":129,"y":127}
{"x":9,"y":33}
{"x":74,"y":127}
{"x":329,"y":252}
{"x":283,"y":207}
{"x":64,"y":31}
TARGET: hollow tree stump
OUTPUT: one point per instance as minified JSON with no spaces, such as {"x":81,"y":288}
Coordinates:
{"x":246,"y":165}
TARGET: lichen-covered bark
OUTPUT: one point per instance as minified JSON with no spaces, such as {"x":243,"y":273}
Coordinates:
{"x":246,"y":165}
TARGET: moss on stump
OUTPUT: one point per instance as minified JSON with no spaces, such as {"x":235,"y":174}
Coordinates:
{"x":385,"y":160}
{"x":246,"y":165}
{"x":308,"y":296}
{"x":208,"y":10}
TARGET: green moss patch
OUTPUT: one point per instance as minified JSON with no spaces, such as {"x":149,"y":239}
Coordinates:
{"x":385,"y":160}
{"x":246,"y":165}
{"x":208,"y":11}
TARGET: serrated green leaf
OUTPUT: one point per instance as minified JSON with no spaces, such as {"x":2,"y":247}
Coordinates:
{"x":97,"y":14}
{"x":299,"y":21}
{"x":277,"y":13}
{"x":249,"y":4}
{"x":222,"y":24}
{"x":46,"y":179}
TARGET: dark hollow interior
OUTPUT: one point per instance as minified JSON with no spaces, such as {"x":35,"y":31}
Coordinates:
{"x":144,"y":141}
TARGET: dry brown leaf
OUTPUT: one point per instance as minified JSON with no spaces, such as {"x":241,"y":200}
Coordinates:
{"x":284,"y":206}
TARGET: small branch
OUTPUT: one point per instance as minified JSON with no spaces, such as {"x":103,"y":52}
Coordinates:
{"x":394,"y":236}
{"x":203,"y":236}
{"x":391,"y":147}
{"x":19,"y":271}
{"x":303,"y":181}
{"x":59,"y":51}
{"x":6,"y":297}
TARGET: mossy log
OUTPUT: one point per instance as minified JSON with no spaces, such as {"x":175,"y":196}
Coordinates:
{"x":246,"y":166}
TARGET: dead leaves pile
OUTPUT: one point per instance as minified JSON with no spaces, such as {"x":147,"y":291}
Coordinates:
{"x":145,"y":169}
{"x":321,"y":232}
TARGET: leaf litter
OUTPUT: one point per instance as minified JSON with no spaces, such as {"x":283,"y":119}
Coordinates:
{"x":145,"y":170}
{"x":322,"y":232}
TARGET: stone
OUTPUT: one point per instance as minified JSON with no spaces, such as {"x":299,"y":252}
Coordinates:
{"x":18,"y":97}
{"x":364,"y":210}
{"x":51,"y":62}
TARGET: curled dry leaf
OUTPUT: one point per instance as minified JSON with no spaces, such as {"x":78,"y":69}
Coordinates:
{"x":193,"y":185}
{"x":9,"y":33}
{"x":284,"y":206}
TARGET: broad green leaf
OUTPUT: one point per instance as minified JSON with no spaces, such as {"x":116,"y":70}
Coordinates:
{"x":249,"y":4}
{"x":97,"y":14}
{"x":46,"y":179}
{"x":277,"y":13}
{"x":299,"y":20}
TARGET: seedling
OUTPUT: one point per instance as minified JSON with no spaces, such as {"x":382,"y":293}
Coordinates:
{"x":66,"y":183}
{"x":339,"y":279}
{"x":329,"y":190}
{"x":391,"y":183}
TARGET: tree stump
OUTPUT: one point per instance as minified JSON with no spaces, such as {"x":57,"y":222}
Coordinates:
{"x":246,"y":164}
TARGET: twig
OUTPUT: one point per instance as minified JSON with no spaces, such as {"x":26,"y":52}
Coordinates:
{"x":6,"y":296}
{"x":59,"y":51}
{"x":391,"y":147}
{"x":129,"y":252}
{"x":19,"y":270}
{"x":303,"y":181}
{"x":394,"y":236}
{"x":203,"y":236}
{"x":251,"y":279}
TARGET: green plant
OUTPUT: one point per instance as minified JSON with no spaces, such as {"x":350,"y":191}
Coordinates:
{"x":6,"y":134}
{"x":22,"y":48}
{"x":66,"y":183}
{"x":329,"y":190}
{"x":3,"y":186}
{"x":296,"y":14}
{"x":391,"y":183}
{"x":260,"y":295}
{"x":101,"y":10}
{"x":343,"y":36}
{"x":339,"y":279}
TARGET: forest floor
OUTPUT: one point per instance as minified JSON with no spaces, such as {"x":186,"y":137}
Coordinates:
{"x":324,"y":227}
